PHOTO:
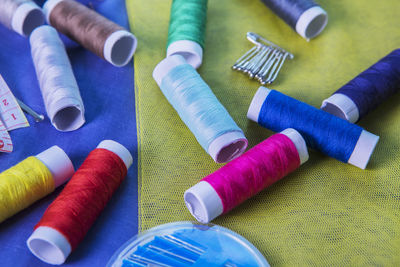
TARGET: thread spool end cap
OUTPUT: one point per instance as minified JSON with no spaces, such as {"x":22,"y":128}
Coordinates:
{"x":120,"y":47}
{"x":190,"y":50}
{"x":48,"y":8}
{"x":257,"y":102}
{"x":203,"y":202}
{"x":341,"y":106}
{"x":165,"y":66}
{"x":58,"y":163}
{"x":227,"y":147}
{"x":49,"y":245}
{"x":363,"y":150}
{"x":299,"y":143}
{"x":26,"y":18}
{"x":118,"y":149}
{"x":312,"y":22}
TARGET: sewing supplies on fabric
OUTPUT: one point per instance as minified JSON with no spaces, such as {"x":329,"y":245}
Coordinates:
{"x":32,"y":179}
{"x":306,"y":17}
{"x":181,"y":244}
{"x":199,"y":109}
{"x":186,"y":32}
{"x":22,"y":16}
{"x":57,"y":82}
{"x":27,"y":109}
{"x":96,"y":33}
{"x":246,"y":176}
{"x":321,"y":130}
{"x":366,"y":91}
{"x":263,"y":61}
{"x":10,"y":111}
{"x":67,"y":220}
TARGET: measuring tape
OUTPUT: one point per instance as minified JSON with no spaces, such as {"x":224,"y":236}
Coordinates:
{"x":11,"y":114}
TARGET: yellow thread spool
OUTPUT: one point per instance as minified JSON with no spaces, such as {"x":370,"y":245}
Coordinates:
{"x":32,"y":179}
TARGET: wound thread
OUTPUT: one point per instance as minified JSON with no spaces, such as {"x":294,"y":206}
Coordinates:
{"x":187,"y":30}
{"x":304,"y":16}
{"x":22,"y":16}
{"x":371,"y":87}
{"x":75,"y":210}
{"x":188,"y":21}
{"x":96,"y":33}
{"x":255,"y":170}
{"x":60,"y":91}
{"x":199,"y":109}
{"x":322,"y":131}
{"x":22,"y":185}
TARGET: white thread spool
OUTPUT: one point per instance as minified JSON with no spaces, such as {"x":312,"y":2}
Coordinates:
{"x":51,"y":246}
{"x":22,"y":16}
{"x":204,"y":202}
{"x":57,"y":82}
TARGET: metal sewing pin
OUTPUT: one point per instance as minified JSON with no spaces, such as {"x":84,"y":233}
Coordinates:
{"x":279,"y":68}
{"x":253,"y":71}
{"x":242,"y":65}
{"x":36,"y":116}
{"x":267,"y":66}
{"x":243,"y":58}
{"x":271,"y":73}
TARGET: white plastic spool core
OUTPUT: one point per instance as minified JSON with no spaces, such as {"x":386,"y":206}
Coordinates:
{"x":48,"y":7}
{"x":118,"y":149}
{"x":58,"y":163}
{"x":26,"y":18}
{"x":50,"y":245}
{"x":225,"y":147}
{"x":311,"y":22}
{"x":362,"y":152}
{"x":341,"y":106}
{"x":190,"y":50}
{"x":67,"y":114}
{"x":203,"y":201}
{"x":119,"y":48}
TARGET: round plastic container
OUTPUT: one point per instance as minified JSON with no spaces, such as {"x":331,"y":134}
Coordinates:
{"x":188,"y":244}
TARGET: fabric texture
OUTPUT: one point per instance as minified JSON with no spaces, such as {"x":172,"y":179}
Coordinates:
{"x":108,"y":96}
{"x":325,"y":213}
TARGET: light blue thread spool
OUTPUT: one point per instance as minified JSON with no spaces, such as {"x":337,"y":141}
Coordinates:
{"x":199,"y":109}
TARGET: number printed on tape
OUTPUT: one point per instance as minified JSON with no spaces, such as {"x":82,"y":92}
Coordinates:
{"x":11,"y":113}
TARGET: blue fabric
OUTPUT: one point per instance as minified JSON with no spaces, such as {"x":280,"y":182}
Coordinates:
{"x":108,"y":96}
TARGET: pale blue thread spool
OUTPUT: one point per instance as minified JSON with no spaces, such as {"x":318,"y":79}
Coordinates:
{"x":199,"y":109}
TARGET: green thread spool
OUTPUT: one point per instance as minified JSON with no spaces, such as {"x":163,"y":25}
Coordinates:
{"x":187,"y":30}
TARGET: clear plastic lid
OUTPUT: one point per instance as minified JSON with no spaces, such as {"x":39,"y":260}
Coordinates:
{"x":188,"y":244}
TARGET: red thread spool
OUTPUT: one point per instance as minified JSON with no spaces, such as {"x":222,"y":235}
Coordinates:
{"x":67,"y":220}
{"x":246,"y":176}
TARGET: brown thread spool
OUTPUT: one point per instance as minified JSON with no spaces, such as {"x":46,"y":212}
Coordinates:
{"x":22,"y":16}
{"x":93,"y":31}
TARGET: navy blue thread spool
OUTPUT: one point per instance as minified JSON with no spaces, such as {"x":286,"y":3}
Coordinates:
{"x":199,"y":109}
{"x":305,"y":16}
{"x":322,"y":131}
{"x":366,"y":91}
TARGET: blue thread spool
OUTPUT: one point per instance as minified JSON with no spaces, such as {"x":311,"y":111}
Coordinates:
{"x":366,"y":91}
{"x":182,"y":244}
{"x":322,"y":131}
{"x":199,"y":109}
{"x":305,"y":16}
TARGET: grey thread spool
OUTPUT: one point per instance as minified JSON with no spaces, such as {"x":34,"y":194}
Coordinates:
{"x":57,"y":82}
{"x":21,"y":16}
{"x":306,"y":17}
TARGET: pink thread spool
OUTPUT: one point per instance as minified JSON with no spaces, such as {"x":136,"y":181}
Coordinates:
{"x":244,"y":177}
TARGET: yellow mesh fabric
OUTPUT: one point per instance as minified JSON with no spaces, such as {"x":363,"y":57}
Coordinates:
{"x":325,"y":213}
